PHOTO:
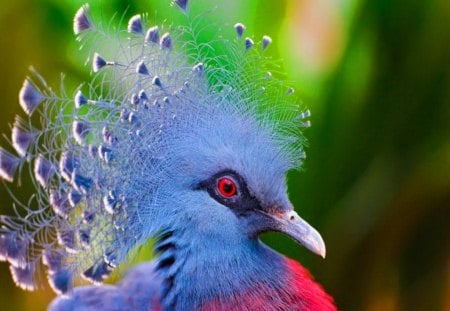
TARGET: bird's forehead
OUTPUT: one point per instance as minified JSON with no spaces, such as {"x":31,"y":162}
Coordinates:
{"x":237,"y":142}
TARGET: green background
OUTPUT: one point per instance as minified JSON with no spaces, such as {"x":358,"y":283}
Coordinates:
{"x":376,"y":184}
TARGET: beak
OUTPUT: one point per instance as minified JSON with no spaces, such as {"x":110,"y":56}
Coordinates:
{"x":295,"y":227}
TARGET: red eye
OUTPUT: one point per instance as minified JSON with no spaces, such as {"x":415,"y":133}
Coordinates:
{"x":226,"y":187}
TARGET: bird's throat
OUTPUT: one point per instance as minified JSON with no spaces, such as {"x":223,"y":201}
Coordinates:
{"x":227,"y":272}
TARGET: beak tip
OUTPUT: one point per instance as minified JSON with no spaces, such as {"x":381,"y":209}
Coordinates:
{"x":319,"y":247}
{"x":323,"y":253}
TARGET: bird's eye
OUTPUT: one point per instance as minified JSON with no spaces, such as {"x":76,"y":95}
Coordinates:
{"x":226,"y":187}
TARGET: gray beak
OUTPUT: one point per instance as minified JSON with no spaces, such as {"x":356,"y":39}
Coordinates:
{"x":292,"y":225}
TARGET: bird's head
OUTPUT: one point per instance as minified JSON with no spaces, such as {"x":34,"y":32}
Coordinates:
{"x":228,"y":180}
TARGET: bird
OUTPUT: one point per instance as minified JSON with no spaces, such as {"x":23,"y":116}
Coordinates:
{"x":173,"y":141}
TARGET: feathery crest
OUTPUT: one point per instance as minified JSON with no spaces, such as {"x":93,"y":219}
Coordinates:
{"x":135,"y":25}
{"x":183,"y":4}
{"x":240,"y":28}
{"x":152,"y":35}
{"x":21,"y":137}
{"x":30,"y":97}
{"x":8,"y":165}
{"x":166,"y":41}
{"x":98,"y":168}
{"x":248,"y":43}
{"x":266,"y":40}
{"x":82,"y":20}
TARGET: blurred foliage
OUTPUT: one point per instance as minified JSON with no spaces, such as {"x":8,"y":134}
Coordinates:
{"x":376,"y":75}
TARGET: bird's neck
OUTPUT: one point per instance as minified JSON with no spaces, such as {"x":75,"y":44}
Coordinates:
{"x":220,"y":276}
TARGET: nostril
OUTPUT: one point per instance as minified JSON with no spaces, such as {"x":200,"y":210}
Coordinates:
{"x":292,"y":217}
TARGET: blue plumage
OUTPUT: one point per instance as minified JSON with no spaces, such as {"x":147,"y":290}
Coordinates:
{"x":164,"y":143}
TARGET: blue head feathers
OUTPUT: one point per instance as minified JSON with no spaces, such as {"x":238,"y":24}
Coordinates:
{"x":163,"y":140}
